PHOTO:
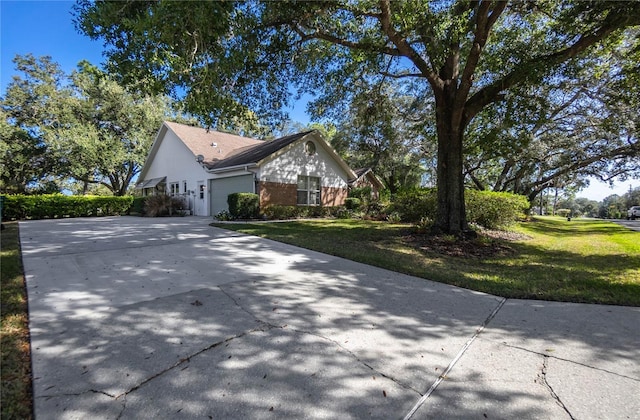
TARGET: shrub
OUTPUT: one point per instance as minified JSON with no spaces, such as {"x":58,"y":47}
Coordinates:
{"x":163,"y":205}
{"x":280,"y":212}
{"x":52,"y":206}
{"x":485,"y":208}
{"x":223,"y":216}
{"x":363,"y":193}
{"x":394,"y":217}
{"x":494,"y":209}
{"x":413,"y":205}
{"x":352,"y":203}
{"x":137,"y":207}
{"x":244,"y":205}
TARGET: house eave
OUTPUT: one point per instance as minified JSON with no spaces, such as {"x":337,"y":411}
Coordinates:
{"x":245,"y":166}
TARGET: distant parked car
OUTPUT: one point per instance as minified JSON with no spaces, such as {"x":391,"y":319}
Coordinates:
{"x":633,"y":212}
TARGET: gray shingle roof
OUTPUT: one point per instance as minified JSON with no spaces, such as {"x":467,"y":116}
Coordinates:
{"x":255,"y":153}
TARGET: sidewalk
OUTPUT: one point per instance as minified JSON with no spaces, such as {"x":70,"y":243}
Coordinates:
{"x":170,"y":318}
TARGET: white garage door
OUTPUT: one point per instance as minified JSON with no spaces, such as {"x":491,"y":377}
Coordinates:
{"x":221,"y":188}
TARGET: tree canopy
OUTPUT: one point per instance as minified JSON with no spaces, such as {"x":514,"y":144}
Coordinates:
{"x":465,"y":56}
{"x":82,"y":127}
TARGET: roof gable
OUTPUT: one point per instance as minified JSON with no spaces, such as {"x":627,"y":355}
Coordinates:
{"x":254,"y":154}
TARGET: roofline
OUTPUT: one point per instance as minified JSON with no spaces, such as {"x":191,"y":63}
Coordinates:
{"x":244,"y":166}
{"x":364,"y":174}
{"x":154,"y":149}
{"x":325,"y":145}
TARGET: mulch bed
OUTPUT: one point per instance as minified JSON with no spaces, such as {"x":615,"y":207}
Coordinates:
{"x":489,"y":243}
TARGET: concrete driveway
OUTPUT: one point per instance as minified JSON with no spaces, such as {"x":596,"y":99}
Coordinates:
{"x":170,"y":318}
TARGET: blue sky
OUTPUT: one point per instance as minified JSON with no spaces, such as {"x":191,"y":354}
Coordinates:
{"x":46,"y":28}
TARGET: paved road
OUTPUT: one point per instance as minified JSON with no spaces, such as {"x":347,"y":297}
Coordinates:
{"x":170,"y":318}
{"x":631,"y":224}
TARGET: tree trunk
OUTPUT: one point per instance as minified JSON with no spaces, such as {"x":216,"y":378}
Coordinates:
{"x":450,"y":213}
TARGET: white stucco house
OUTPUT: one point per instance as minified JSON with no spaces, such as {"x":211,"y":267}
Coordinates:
{"x":206,"y":166}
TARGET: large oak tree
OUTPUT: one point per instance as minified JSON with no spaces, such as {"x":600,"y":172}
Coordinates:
{"x":466,"y":55}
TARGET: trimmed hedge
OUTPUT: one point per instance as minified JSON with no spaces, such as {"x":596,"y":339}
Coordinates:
{"x":494,"y":209}
{"x":485,"y":208}
{"x":352,"y":203}
{"x":413,"y":205}
{"x":243,"y":205}
{"x":137,"y":207}
{"x":51,"y":206}
{"x":280,"y":212}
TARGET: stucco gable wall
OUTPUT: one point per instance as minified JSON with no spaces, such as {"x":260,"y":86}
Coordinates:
{"x":174,"y":160}
{"x":285,"y":167}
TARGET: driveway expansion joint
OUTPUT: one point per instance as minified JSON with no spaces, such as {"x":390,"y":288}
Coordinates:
{"x":462,"y":351}
{"x":554,"y":395}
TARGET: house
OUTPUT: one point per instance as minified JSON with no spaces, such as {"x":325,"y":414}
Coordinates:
{"x":206,"y":166}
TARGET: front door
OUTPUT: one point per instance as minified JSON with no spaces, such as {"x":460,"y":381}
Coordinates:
{"x":201,"y":199}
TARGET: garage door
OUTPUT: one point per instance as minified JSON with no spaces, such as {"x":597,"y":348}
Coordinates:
{"x":221,"y":188}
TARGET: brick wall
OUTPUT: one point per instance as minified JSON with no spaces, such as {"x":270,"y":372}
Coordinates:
{"x":287,"y":194}
{"x":277,"y":193}
{"x":331,"y":196}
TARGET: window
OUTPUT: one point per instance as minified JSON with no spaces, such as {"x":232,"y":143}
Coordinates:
{"x":184,"y":187}
{"x":308,"y":190}
{"x":174,"y":188}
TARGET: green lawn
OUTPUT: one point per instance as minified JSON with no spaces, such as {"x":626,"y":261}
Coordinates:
{"x":583,"y":260}
{"x":15,"y":392}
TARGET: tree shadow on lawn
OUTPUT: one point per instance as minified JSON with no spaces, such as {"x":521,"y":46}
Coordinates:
{"x":561,"y":276}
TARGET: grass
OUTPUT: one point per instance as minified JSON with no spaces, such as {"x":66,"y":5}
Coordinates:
{"x":16,"y":391}
{"x":585,"y":260}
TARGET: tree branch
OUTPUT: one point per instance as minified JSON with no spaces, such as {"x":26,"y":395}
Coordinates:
{"x":490,"y":93}
{"x":404,"y":47}
{"x":485,"y":19}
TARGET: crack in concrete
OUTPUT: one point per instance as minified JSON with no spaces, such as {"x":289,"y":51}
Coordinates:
{"x":355,"y":356}
{"x":75,"y":394}
{"x":566,"y":360}
{"x":554,"y":395}
{"x":351,"y":353}
{"x":180,"y":362}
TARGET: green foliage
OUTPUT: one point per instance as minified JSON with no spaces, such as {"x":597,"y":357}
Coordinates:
{"x":163,"y":205}
{"x":363,"y":193}
{"x":280,"y":212}
{"x":83,"y":127}
{"x":352,"y":203}
{"x":494,"y":209}
{"x":49,"y":206}
{"x":394,"y":217}
{"x":224,"y":216}
{"x":413,"y":205}
{"x":244,"y":205}
{"x":486,"y":208}
{"x":137,"y":207}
